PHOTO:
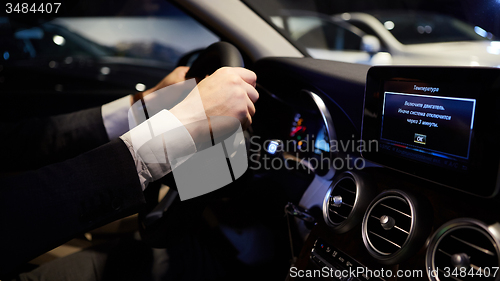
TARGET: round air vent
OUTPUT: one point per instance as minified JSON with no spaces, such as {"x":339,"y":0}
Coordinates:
{"x":393,"y":230}
{"x":343,"y":206}
{"x":464,"y":249}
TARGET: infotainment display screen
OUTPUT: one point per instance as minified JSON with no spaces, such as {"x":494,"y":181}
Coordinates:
{"x":438,"y":127}
{"x":436,"y":123}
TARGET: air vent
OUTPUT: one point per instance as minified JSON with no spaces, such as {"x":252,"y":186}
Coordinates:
{"x":343,"y":207}
{"x":341,"y":200}
{"x":390,"y":226}
{"x":464,"y":243}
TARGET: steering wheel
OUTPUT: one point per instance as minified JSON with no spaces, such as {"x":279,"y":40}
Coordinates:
{"x":159,"y":220}
{"x":215,"y":56}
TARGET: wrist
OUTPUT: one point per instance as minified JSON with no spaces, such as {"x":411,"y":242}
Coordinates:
{"x":161,"y":143}
{"x":198,"y":128}
{"x":187,"y":121}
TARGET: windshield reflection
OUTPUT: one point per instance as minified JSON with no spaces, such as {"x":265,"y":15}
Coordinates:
{"x":388,"y":32}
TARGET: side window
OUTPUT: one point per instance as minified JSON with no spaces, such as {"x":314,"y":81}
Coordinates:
{"x":352,"y":41}
{"x":164,"y":36}
{"x":330,"y":36}
{"x":101,"y":51}
{"x":49,"y":40}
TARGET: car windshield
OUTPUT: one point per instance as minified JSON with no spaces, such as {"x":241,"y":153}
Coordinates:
{"x":389,"y":32}
{"x":420,"y":28}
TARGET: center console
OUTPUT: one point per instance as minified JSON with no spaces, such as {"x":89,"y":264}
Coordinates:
{"x":426,"y":207}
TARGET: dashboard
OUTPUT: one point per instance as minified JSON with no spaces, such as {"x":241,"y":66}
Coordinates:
{"x":308,"y":132}
{"x":410,"y":187}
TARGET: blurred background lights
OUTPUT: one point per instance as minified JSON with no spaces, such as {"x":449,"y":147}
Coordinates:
{"x":389,"y":25}
{"x":494,"y":48}
{"x":346,"y":16}
{"x":481,"y":32}
{"x":474,"y":61}
{"x":6,"y":55}
{"x":424,"y":29}
{"x":273,"y":146}
{"x":495,"y":44}
{"x":105,"y":71}
{"x":140,"y":87}
{"x":58,"y":40}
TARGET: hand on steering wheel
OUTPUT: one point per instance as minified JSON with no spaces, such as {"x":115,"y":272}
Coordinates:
{"x":229,"y":90}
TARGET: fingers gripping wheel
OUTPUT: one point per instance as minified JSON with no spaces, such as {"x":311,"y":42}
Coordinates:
{"x":215,"y":56}
{"x":170,"y":214}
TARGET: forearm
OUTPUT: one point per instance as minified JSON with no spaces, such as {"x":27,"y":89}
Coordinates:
{"x":37,"y":142}
{"x":42,"y":209}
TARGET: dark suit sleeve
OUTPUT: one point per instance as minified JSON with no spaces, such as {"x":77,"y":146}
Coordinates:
{"x":42,"y":209}
{"x":37,"y":142}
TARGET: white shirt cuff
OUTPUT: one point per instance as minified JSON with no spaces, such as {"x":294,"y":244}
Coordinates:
{"x":158,"y":146}
{"x":114,"y":116}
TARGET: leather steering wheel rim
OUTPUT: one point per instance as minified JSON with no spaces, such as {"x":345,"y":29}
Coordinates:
{"x":169,"y":209}
{"x":215,"y":56}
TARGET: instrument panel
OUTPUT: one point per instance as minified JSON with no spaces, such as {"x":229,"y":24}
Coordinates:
{"x":414,"y":215}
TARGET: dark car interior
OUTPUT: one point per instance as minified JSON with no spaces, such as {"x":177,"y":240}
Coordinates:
{"x":364,"y":183}
{"x":438,"y":211}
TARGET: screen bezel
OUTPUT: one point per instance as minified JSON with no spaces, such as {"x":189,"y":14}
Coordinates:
{"x":481,"y":178}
